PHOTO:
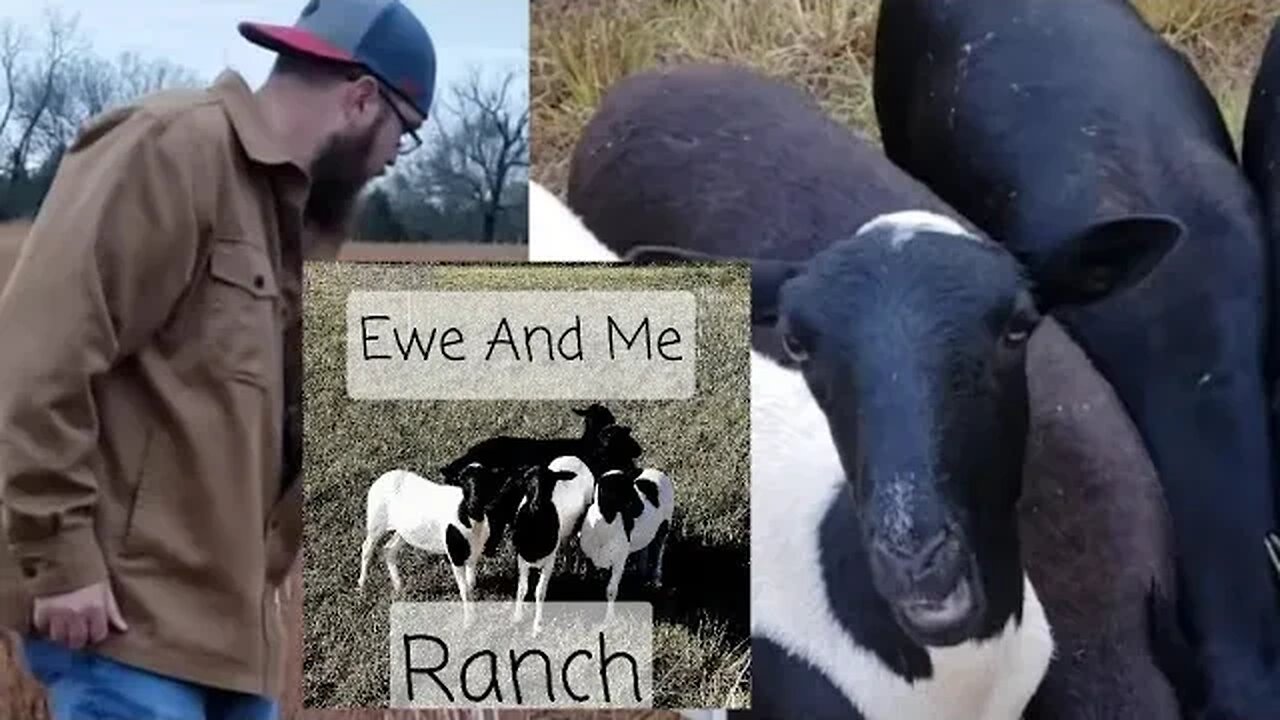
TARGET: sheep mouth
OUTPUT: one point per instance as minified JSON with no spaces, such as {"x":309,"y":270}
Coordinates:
{"x":933,"y":614}
{"x":945,"y":620}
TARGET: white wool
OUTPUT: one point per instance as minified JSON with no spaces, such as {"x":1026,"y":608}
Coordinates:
{"x":906,"y":224}
{"x":419,"y":512}
{"x":556,"y":234}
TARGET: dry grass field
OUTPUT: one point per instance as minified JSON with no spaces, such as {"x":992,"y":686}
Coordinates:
{"x":581,"y":48}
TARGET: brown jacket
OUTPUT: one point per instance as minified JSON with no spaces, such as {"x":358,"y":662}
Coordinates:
{"x":149,"y":427}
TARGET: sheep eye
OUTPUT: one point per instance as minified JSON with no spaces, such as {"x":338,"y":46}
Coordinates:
{"x":1016,"y":336}
{"x":794,"y":347}
{"x":1021,"y":323}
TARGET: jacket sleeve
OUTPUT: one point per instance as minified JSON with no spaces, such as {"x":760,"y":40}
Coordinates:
{"x":112,"y":249}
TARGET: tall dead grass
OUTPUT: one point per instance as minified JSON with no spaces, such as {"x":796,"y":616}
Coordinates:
{"x":1224,"y":41}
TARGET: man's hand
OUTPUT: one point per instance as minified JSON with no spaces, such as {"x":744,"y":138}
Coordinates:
{"x":80,"y":617}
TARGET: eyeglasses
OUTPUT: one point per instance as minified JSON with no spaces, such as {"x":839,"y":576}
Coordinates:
{"x":409,"y":140}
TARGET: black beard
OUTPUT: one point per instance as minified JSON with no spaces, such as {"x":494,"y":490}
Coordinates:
{"x":337,"y":177}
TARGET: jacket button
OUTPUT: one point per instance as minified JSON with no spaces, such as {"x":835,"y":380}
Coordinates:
{"x":258,"y":281}
{"x":29,"y":568}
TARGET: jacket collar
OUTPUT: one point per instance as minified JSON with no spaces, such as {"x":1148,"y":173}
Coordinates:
{"x":256,"y":137}
{"x":248,"y":120}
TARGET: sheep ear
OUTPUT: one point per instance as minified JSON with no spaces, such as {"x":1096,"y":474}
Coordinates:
{"x":468,"y":487}
{"x":1108,"y":257}
{"x":580,"y":412}
{"x":767,"y":279}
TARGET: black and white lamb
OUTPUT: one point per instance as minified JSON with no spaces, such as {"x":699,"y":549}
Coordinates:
{"x":551,"y":512}
{"x":433,"y":517}
{"x":631,"y":511}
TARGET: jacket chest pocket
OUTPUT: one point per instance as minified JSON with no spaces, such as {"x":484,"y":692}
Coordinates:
{"x":242,"y":297}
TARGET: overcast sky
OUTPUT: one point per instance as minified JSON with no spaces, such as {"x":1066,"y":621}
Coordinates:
{"x":202,"y":35}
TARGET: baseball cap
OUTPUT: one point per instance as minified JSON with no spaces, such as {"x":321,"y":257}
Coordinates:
{"x":384,"y":36}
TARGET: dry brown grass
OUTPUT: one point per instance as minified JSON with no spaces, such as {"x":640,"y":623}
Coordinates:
{"x":1223,"y":39}
{"x":21,"y":697}
{"x":579,"y":50}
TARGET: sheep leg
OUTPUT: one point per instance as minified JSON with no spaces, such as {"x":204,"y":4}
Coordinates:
{"x":665,"y":531}
{"x":522,"y":588}
{"x":366,"y":554}
{"x":459,"y":575}
{"x":390,"y":550}
{"x":611,"y":594}
{"x":540,"y":592}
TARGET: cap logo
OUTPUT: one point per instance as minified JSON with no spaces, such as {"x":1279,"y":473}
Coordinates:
{"x":311,"y":8}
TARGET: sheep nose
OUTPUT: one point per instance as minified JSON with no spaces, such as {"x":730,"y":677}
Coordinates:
{"x":929,"y":569}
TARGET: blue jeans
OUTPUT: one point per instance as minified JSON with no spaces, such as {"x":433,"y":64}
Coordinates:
{"x":86,"y":686}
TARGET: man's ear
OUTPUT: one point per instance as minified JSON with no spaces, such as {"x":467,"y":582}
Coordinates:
{"x":360,"y":98}
{"x":1106,"y":258}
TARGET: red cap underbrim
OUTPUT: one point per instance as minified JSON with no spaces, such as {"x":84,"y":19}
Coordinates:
{"x":283,"y":38}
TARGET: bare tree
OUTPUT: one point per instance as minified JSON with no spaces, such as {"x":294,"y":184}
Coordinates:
{"x":484,"y":151}
{"x":51,"y":90}
{"x":12,"y":43}
{"x":139,"y":76}
{"x":44,"y":86}
{"x":97,"y":85}
{"x":91,"y":85}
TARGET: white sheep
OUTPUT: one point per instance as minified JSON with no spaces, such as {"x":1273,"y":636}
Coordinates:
{"x":556,"y":500}
{"x":558,"y":235}
{"x":630,"y":509}
{"x":433,"y":517}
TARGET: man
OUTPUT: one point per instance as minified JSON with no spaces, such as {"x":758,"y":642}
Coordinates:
{"x":150,"y":438}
